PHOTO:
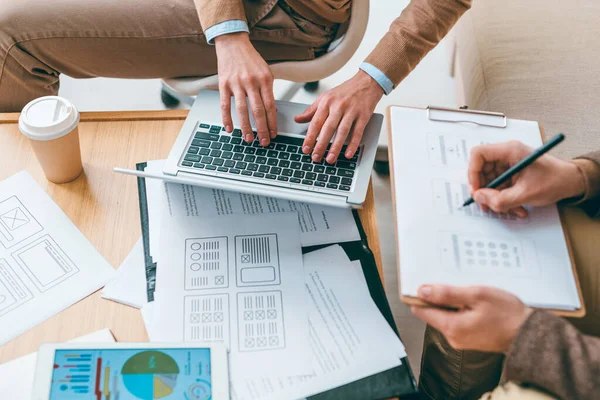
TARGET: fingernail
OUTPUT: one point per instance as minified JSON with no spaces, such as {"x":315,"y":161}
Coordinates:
{"x":306,"y":149}
{"x":331,"y":159}
{"x":273,"y":134}
{"x":228,"y":128}
{"x":249,"y":138}
{"x":479,"y":198}
{"x":348,"y":154}
{"x":316,"y":157}
{"x":264,"y":142}
{"x":424,"y":291}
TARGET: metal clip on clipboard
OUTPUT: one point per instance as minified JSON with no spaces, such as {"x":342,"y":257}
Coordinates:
{"x":481,"y":118}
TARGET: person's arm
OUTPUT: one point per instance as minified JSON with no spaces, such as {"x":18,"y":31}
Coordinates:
{"x":550,"y":353}
{"x":243,"y":73}
{"x":420,"y":27}
{"x":346,"y":109}
{"x":589,"y":165}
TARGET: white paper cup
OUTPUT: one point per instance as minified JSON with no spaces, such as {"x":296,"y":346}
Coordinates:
{"x":51,"y":125}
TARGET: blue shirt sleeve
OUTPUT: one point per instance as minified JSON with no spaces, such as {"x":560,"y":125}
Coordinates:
{"x":235,"y":25}
{"x":386,"y":84}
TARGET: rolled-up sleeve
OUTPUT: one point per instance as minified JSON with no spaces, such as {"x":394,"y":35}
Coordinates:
{"x":386,"y":83}
{"x":224,"y":28}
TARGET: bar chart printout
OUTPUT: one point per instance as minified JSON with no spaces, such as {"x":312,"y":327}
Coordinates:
{"x":146,"y":374}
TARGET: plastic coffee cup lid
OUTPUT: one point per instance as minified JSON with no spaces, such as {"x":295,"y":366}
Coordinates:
{"x":48,"y":118}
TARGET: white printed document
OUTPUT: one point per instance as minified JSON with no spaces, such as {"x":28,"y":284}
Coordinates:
{"x":17,"y":376}
{"x":318,"y":224}
{"x":46,"y":264}
{"x":441,"y":242}
{"x":237,"y":280}
{"x":349,"y":337}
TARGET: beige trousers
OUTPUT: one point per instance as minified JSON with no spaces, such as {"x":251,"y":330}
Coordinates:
{"x":40,"y":39}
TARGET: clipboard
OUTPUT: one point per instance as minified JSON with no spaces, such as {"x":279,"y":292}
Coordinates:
{"x":488,"y":119}
{"x":396,"y":382}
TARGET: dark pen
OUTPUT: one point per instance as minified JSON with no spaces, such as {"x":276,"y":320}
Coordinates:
{"x":518,"y":167}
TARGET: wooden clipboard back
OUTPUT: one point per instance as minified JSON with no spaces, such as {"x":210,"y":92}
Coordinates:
{"x":415,"y":301}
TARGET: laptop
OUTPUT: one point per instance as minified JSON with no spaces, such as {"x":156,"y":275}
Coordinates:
{"x":204,"y":154}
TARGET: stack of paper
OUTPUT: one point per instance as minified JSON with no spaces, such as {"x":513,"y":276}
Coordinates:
{"x":318,"y":224}
{"x":46,"y":264}
{"x":230,"y":269}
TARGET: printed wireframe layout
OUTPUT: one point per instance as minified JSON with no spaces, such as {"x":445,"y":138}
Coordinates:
{"x":207,"y":318}
{"x":17,"y":224}
{"x":451,"y":150}
{"x":13,"y":292}
{"x":448,"y":198}
{"x":45,"y":263}
{"x":260,"y":321}
{"x":206,"y":263}
{"x":486,"y":254}
{"x":257,"y":260}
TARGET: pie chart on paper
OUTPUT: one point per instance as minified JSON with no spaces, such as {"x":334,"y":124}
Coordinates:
{"x":150,"y":375}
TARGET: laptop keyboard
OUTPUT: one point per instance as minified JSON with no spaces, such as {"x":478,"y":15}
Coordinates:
{"x":213,"y":149}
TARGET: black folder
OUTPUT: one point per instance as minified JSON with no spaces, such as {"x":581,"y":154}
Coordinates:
{"x":396,"y":382}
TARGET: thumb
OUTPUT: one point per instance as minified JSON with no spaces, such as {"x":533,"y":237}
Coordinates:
{"x":445,"y":295}
{"x":500,"y":201}
{"x":308,"y":114}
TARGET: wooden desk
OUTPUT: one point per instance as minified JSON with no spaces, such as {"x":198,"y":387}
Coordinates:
{"x":104,"y":206}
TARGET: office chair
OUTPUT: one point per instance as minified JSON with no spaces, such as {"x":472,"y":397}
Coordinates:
{"x":305,"y":74}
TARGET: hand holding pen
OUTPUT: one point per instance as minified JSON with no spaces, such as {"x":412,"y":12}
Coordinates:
{"x":505,"y":177}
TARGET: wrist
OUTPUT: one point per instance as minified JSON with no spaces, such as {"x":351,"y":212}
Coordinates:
{"x":236,"y":38}
{"x":367,"y":82}
{"x":516,"y":328}
{"x":574,"y":180}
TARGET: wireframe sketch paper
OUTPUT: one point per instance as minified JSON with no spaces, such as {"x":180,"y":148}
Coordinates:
{"x":237,"y":280}
{"x":16,"y":376}
{"x":129,"y":285}
{"x":46,"y":264}
{"x":440,"y":242}
{"x":349,"y":338}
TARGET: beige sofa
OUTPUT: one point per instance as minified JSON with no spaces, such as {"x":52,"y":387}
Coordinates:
{"x":540,"y":60}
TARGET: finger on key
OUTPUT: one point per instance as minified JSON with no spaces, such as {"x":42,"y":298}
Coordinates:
{"x":269,"y":102}
{"x":356,"y":136}
{"x":314,"y":129}
{"x":260,"y":117}
{"x":340,"y":137}
{"x":325,"y":136}
{"x":226,"y":109}
{"x":242,"y":111}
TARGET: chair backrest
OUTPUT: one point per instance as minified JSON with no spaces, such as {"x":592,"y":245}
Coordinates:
{"x":298,"y":71}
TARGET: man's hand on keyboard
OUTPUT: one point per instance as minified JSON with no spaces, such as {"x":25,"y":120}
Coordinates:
{"x":345,"y":109}
{"x":243,"y":73}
